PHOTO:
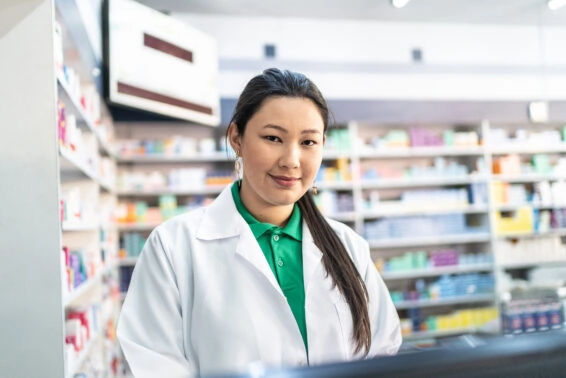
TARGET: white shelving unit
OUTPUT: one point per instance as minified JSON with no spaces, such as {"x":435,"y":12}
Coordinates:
{"x":45,"y":171}
{"x":435,"y":272}
{"x":401,"y":210}
{"x":431,"y":335}
{"x":394,"y":153}
{"x":448,"y":301}
{"x":431,"y":241}
{"x":83,"y":289}
{"x":420,"y":182}
{"x":162,"y":158}
{"x":207,"y":190}
{"x":39,"y":170}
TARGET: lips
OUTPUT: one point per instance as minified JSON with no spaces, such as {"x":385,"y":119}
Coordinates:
{"x":285,"y":181}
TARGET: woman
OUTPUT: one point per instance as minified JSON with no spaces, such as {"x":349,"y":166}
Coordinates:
{"x":259,"y":276}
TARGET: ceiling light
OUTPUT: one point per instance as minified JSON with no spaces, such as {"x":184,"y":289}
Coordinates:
{"x":555,"y":4}
{"x":402,"y":3}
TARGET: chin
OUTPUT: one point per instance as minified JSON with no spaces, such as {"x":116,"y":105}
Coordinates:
{"x":285,"y":200}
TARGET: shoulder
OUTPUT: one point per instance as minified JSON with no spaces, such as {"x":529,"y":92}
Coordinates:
{"x":184,"y":220}
{"x":177,"y":230}
{"x":216,"y":215}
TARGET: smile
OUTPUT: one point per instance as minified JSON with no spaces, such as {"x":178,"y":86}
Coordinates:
{"x":285,"y":181}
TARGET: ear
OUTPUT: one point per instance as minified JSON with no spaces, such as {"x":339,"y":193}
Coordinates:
{"x":323,"y":140}
{"x":234,"y":138}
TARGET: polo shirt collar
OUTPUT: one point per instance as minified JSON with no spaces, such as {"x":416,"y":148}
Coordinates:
{"x":292,"y":229}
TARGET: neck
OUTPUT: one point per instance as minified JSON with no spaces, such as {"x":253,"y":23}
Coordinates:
{"x":276,"y":216}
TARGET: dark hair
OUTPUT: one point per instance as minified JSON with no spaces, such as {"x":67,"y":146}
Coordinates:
{"x":337,"y":262}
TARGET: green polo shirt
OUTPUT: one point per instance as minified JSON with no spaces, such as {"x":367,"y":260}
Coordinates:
{"x":282,"y":248}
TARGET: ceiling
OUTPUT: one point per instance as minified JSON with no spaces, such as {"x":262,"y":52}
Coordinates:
{"x":501,"y":12}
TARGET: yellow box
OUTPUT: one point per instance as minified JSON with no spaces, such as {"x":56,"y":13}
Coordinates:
{"x":520,"y":221}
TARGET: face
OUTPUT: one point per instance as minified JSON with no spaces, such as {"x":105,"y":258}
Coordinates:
{"x":281,"y":150}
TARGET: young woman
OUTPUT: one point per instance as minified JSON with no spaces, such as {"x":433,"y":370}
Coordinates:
{"x":259,"y":276}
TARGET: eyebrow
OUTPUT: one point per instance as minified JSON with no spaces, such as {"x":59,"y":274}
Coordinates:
{"x":284,"y":130}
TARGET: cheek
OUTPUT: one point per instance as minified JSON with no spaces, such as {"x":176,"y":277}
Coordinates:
{"x":311,"y":167}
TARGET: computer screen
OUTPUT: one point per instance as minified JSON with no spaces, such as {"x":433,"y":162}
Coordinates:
{"x":527,"y":355}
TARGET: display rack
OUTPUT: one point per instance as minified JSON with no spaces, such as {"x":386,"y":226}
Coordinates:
{"x":58,"y":185}
{"x":87,"y":190}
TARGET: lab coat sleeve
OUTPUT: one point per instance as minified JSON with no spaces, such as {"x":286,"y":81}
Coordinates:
{"x":150,"y":328}
{"x":386,"y":327}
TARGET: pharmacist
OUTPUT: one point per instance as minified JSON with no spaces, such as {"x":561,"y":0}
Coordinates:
{"x":259,"y":277}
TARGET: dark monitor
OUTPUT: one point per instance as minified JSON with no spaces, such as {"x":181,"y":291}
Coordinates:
{"x":528,"y":355}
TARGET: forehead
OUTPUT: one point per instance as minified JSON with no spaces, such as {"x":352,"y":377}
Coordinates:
{"x":289,"y":112}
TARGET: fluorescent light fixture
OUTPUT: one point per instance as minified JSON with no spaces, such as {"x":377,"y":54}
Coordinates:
{"x":402,"y":3}
{"x":555,"y":4}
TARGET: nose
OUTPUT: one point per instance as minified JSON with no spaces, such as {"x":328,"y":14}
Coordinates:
{"x":290,"y":157}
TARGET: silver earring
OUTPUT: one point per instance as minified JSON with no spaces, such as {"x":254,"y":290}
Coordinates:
{"x":314,"y":189}
{"x":238,"y":168}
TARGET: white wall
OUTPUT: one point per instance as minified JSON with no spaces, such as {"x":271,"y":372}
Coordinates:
{"x":372,"y":60}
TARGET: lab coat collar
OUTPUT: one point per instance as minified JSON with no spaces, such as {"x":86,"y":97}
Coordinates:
{"x":222,"y":220}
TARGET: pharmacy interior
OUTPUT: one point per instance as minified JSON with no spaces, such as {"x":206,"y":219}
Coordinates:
{"x":447,"y":154}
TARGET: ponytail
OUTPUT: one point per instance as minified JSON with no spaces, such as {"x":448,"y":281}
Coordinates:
{"x":341,"y":269}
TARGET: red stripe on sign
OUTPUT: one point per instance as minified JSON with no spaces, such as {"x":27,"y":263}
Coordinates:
{"x":154,"y":96}
{"x":167,"y":47}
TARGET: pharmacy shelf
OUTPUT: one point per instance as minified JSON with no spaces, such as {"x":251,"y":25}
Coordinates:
{"x":70,"y":164}
{"x":472,"y":237}
{"x":127,"y":261}
{"x":336,"y":185}
{"x":531,"y":234}
{"x":449,"y":301}
{"x":432,"y":151}
{"x":438,"y":271}
{"x":530,"y":264}
{"x":438,"y":333}
{"x":148,"y":226}
{"x":97,"y":337}
{"x":207,"y":190}
{"x":350,"y":216}
{"x":73,"y":106}
{"x":85,"y":352}
{"x":529,"y":177}
{"x":411,"y":182}
{"x":513,"y":207}
{"x":80,"y":226}
{"x":86,"y":286}
{"x":400,"y":210}
{"x":166,"y":158}
{"x":527,"y":149}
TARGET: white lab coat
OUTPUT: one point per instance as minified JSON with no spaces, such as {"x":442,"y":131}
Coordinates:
{"x":203,"y":300}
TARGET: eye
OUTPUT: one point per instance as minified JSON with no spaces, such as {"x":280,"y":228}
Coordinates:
{"x":309,"y":142}
{"x":272,"y":138}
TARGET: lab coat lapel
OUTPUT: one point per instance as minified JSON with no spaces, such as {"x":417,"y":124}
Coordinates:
{"x":248,"y":248}
{"x":222,"y":220}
